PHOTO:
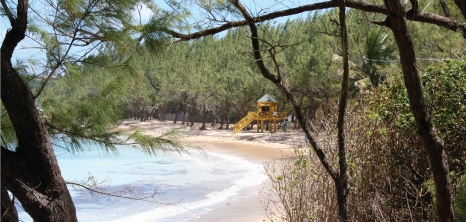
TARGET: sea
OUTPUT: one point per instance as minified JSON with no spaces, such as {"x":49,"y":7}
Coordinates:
{"x":172,"y":186}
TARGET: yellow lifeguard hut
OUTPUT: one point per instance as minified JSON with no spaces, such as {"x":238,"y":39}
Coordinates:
{"x":267,"y":110}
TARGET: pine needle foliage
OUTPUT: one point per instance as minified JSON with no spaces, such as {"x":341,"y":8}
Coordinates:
{"x":85,"y":104}
{"x":168,"y":141}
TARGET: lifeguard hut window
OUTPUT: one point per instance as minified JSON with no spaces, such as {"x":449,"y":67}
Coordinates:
{"x":265,"y":108}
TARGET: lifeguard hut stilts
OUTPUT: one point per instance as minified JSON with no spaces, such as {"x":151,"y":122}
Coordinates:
{"x":267,"y":110}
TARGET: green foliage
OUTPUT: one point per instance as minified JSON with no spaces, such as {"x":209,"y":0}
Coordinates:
{"x":84,"y":106}
{"x":377,"y":51}
{"x":81,"y":98}
{"x":168,"y":141}
{"x":445,"y":92}
{"x":7,"y":130}
{"x":90,"y":94}
{"x":390,"y":103}
{"x":218,"y":72}
{"x":445,"y":88}
{"x":460,"y":200}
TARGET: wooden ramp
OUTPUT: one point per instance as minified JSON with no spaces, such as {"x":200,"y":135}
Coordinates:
{"x":244,"y":122}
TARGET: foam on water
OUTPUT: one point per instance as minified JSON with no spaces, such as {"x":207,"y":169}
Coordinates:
{"x":188,"y":185}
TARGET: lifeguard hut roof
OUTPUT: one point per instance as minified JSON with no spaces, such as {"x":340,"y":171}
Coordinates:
{"x":267,"y":98}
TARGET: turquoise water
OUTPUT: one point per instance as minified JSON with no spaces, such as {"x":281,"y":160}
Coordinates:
{"x":185,"y":186}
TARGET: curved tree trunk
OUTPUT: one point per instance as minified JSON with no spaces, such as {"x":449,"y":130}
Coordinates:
{"x":9,"y":212}
{"x":340,"y":177}
{"x":433,"y":144}
{"x":31,"y":172}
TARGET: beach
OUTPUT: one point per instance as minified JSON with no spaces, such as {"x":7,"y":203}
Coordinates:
{"x":258,"y":148}
{"x":220,"y":177}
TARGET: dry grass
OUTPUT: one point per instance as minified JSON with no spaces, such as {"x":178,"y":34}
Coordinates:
{"x":388,"y":170}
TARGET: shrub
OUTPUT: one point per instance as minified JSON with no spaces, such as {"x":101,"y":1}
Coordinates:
{"x":388,"y":167}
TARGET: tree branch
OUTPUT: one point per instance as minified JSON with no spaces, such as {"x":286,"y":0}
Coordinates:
{"x":17,"y":31}
{"x":445,"y":9}
{"x":462,"y":6}
{"x":446,"y":22}
{"x":415,"y":6}
{"x":8,"y":13}
{"x":384,"y":23}
{"x":9,"y":212}
{"x":116,"y":195}
{"x":284,"y":88}
{"x":44,"y":83}
{"x":98,"y":140}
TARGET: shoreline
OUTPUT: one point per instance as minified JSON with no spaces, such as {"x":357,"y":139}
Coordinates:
{"x":247,"y":204}
{"x":258,"y":148}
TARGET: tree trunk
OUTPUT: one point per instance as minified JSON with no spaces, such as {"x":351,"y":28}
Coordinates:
{"x":228,"y":118}
{"x":341,"y":181}
{"x":146,"y":113}
{"x":9,"y":212}
{"x":162,"y":114}
{"x":191,"y":114}
{"x":141,"y":115}
{"x":204,"y":118}
{"x":31,"y":172}
{"x":177,"y":112}
{"x":159,"y":113}
{"x":314,"y":105}
{"x":296,"y":124}
{"x":154,"y":113}
{"x":433,"y":144}
{"x":214,"y":122}
{"x":339,"y":178}
{"x":222,"y":121}
{"x":462,"y":6}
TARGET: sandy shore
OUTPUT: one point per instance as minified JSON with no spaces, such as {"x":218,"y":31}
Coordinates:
{"x":258,"y":148}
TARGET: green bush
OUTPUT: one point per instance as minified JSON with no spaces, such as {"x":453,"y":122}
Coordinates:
{"x":445,"y":92}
